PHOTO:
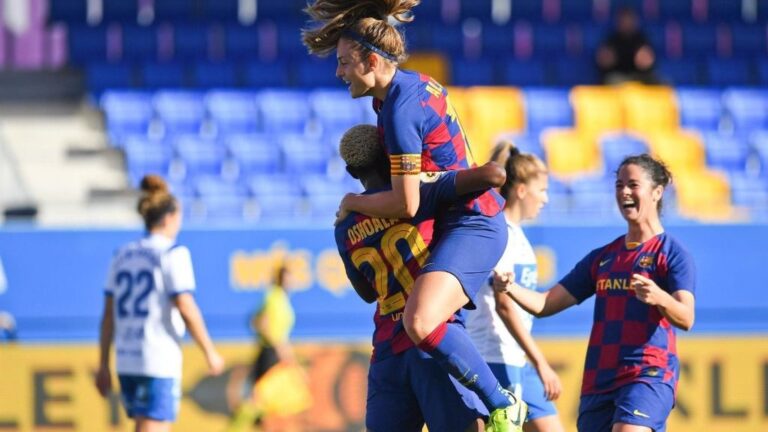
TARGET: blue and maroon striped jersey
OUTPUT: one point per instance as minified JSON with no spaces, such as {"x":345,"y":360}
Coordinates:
{"x":388,"y":254}
{"x":422,"y":133}
{"x":630,"y":340}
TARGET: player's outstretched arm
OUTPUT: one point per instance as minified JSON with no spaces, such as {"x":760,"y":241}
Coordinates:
{"x":197,"y":329}
{"x":490,"y":175}
{"x":539,"y":304}
{"x":400,"y":202}
{"x":104,"y":375}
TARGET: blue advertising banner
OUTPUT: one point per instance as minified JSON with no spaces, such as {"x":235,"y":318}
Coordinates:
{"x":51,"y":281}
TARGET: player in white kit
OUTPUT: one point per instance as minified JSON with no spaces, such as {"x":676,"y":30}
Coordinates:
{"x":148,"y":304}
{"x":499,"y":327}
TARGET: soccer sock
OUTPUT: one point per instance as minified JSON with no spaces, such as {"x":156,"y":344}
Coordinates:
{"x":454,"y":351}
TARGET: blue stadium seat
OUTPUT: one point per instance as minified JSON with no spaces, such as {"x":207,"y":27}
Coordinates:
{"x":680,"y":72}
{"x":699,"y":39}
{"x":547,"y":108}
{"x":699,"y":108}
{"x":261,"y":184}
{"x":592,"y":36}
{"x":593,"y":197}
{"x":139,"y":43}
{"x":748,"y":39}
{"x":190,"y":42}
{"x":657,"y":37}
{"x":211,"y":185}
{"x":283,"y":110}
{"x":254,"y":154}
{"x":175,"y":10}
{"x":574,"y":71}
{"x":749,"y":191}
{"x":68,"y":11}
{"x":747,"y":108}
{"x":527,"y":10}
{"x":762,"y":71}
{"x":615,"y":147}
{"x":162,"y":75}
{"x":335,"y":110}
{"x":214,"y":74}
{"x":180,"y":111}
{"x":732,"y":71}
{"x":281,"y":9}
{"x":324,"y":195}
{"x":479,"y":72}
{"x":480,"y":9}
{"x":679,"y":10}
{"x":448,"y":39}
{"x":127,"y":111}
{"x":418,"y":37}
{"x":199,"y":156}
{"x":498,"y":39}
{"x":260,"y":74}
{"x":220,"y":10}
{"x":762,"y":10}
{"x":549,"y":40}
{"x":232,"y":111}
{"x":104,"y":76}
{"x":87,"y":44}
{"x":726,"y":152}
{"x":759,"y":143}
{"x":315,"y":72}
{"x":124,"y":11}
{"x":303,"y":155}
{"x":279,"y":197}
{"x":724,"y":10}
{"x":576,"y":11}
{"x":428,"y":11}
{"x":289,"y":43}
{"x":526,"y":143}
{"x":241,"y":42}
{"x":524,"y":73}
{"x":144,"y":156}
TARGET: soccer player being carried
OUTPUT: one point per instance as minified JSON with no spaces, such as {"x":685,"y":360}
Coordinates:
{"x":383,"y":257}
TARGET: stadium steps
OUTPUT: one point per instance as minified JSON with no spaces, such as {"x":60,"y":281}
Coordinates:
{"x":63,"y":161}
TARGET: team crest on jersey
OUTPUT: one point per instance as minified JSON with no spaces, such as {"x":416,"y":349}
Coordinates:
{"x":646,"y":261}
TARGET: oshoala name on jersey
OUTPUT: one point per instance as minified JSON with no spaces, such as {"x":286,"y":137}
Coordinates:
{"x":368,"y":227}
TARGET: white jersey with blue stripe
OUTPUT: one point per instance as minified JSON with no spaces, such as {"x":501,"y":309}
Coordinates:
{"x":494,"y":342}
{"x":144,"y":277}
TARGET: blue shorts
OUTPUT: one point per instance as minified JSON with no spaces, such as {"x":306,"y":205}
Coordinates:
{"x":153,"y":398}
{"x":468,"y":247}
{"x":637,"y":403}
{"x":407,"y":390}
{"x":525,"y":381}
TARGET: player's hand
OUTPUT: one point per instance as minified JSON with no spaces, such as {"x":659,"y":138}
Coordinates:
{"x":215,"y":362}
{"x":647,"y":291}
{"x":503,"y":281}
{"x":552,"y":385}
{"x":104,"y":381}
{"x":343,"y":211}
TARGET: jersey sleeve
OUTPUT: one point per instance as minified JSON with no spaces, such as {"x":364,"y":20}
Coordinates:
{"x":181,"y":277}
{"x":580,"y":281}
{"x":403,"y":133}
{"x":681,"y":273}
{"x":109,"y":285}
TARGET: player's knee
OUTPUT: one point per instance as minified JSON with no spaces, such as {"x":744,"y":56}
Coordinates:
{"x":417,"y":326}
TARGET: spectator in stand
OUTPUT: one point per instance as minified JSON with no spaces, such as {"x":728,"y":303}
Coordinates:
{"x":625,"y":54}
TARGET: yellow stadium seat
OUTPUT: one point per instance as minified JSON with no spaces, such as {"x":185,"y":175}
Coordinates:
{"x":681,"y":150}
{"x":703,"y":195}
{"x":649,"y":108}
{"x":429,"y":63}
{"x":492,"y":112}
{"x":570,"y":153}
{"x":597,"y":110}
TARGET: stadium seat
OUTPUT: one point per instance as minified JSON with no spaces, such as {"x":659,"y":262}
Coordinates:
{"x":449,"y":40}
{"x":530,"y":10}
{"x":283,"y":111}
{"x":649,"y":108}
{"x":748,"y":39}
{"x":86,"y":44}
{"x":616,"y":147}
{"x":144,"y":156}
{"x":211,"y":185}
{"x":314,"y":72}
{"x":478,"y":72}
{"x":419,"y":37}
{"x":429,"y":63}
{"x":576,"y":11}
{"x":324,"y":195}
{"x":68,"y":11}
{"x":549,"y":40}
{"x":703,"y":195}
{"x":699,"y":108}
{"x":570,"y":153}
{"x":699,"y":39}
{"x":747,"y":108}
{"x":220,"y":10}
{"x":254,"y":154}
{"x":571,"y":71}
{"x":680,"y":71}
{"x":214,"y":74}
{"x":241,"y":42}
{"x":759,"y":143}
{"x":175,"y":10}
{"x":140,"y":43}
{"x":750,"y":192}
{"x":547,"y":107}
{"x":673,"y":10}
{"x":524,"y":73}
{"x":680,"y":150}
{"x":199,"y":156}
{"x":732,"y":71}
{"x":526,"y":143}
{"x":124,"y":11}
{"x":289,"y":43}
{"x":303,"y":155}
{"x":127,"y":111}
{"x":162,"y":75}
{"x":593,"y":196}
{"x":498,"y":39}
{"x":104,"y":76}
{"x":491,"y":111}
{"x":190,"y":42}
{"x":260,"y":74}
{"x":479,"y":9}
{"x":279,"y":198}
{"x":180,"y":111}
{"x":335,"y":110}
{"x":726,"y":152}
{"x":724,"y":10}
{"x":596,"y":110}
{"x":232,"y":111}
